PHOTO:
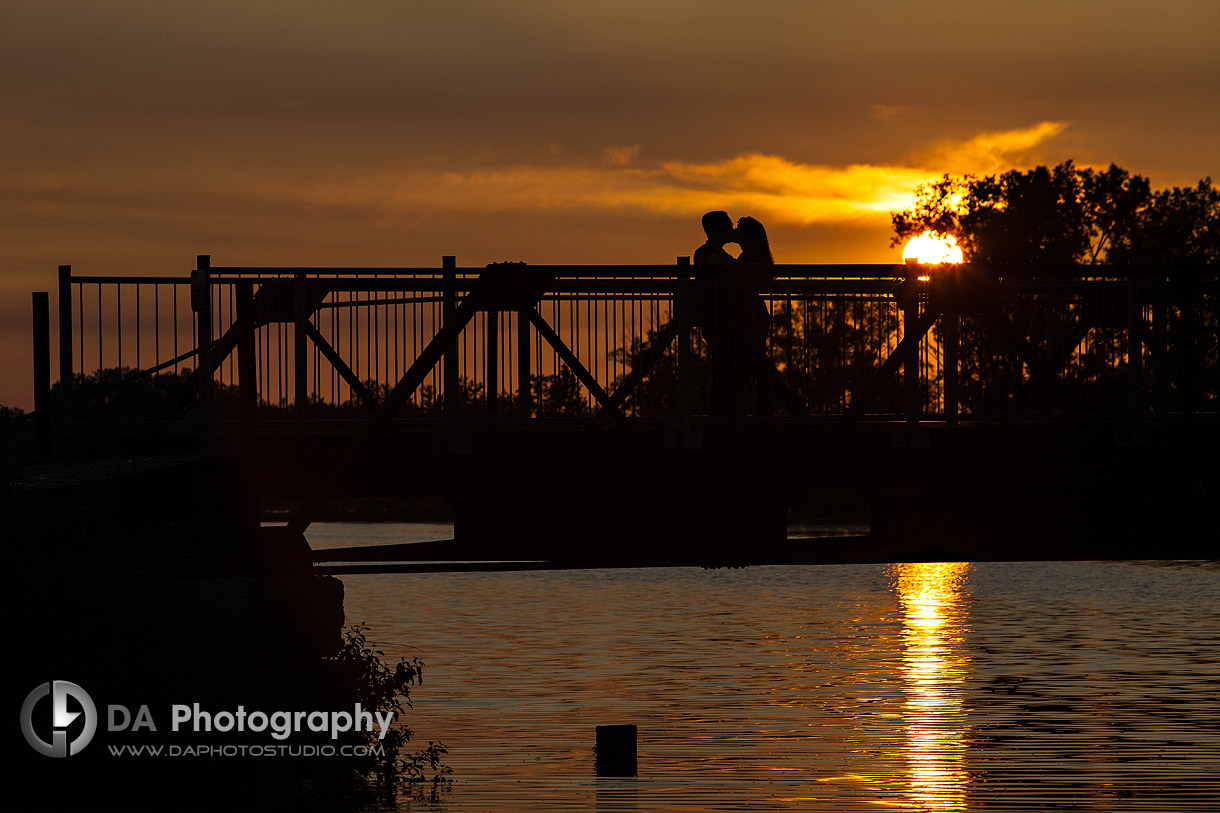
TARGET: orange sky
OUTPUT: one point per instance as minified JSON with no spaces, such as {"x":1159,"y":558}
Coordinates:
{"x":135,"y":135}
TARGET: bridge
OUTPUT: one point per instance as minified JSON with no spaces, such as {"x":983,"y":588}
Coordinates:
{"x":568,"y":414}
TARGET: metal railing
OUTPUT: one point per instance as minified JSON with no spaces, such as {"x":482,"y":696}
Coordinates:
{"x":623,"y":343}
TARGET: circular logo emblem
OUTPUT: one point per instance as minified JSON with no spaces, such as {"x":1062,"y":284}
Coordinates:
{"x":61,"y":718}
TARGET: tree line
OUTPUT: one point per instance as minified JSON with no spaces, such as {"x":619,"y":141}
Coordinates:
{"x":1067,"y":214}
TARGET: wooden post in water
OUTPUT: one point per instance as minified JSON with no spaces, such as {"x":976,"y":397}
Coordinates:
{"x":65,"y":355}
{"x":616,"y":750}
{"x":42,"y":373}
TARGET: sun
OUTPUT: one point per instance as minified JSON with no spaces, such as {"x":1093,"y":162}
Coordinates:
{"x":930,"y":248}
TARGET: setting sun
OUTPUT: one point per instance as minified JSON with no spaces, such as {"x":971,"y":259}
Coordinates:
{"x":932,"y":247}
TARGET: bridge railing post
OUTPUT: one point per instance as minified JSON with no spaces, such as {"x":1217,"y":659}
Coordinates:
{"x":523,"y":363}
{"x":65,"y":356}
{"x":1160,"y":308}
{"x":247,"y":391}
{"x":300,"y":350}
{"x":201,"y":299}
{"x":1135,"y":359}
{"x":41,"y":301}
{"x":682,"y":308}
{"x":950,"y":339}
{"x":910,"y":367}
{"x":448,"y":309}
{"x":491,"y":378}
{"x":1192,"y":360}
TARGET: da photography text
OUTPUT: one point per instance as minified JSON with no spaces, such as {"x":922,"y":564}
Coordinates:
{"x":280,"y":724}
{"x":73,"y":726}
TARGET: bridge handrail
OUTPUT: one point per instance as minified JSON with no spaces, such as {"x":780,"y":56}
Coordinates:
{"x":1129,"y":298}
{"x":785,"y":270}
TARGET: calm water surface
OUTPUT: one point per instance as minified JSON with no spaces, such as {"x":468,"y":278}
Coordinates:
{"x":941,"y":687}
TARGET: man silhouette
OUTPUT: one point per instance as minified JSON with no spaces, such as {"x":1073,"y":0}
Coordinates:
{"x":717,"y":312}
{"x":718,"y":227}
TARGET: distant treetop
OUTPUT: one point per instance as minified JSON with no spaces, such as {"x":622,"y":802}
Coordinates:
{"x":1068,"y":215}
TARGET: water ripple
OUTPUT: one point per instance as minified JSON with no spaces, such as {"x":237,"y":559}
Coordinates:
{"x":1083,"y":685}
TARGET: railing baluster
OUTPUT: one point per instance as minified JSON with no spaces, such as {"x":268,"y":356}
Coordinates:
{"x":491,"y":361}
{"x":910,"y":368}
{"x":100,"y":335}
{"x":41,"y":302}
{"x":1135,"y":361}
{"x":1191,"y":291}
{"x":201,"y":294}
{"x":449,"y":264}
{"x":950,"y":338}
{"x":523,"y":364}
{"x":681,"y":310}
{"x":299,"y":348}
{"x":65,"y":354}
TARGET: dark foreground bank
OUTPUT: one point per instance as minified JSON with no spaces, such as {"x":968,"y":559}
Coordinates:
{"x":141,"y":630}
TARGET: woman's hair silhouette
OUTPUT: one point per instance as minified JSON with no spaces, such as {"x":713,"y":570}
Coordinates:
{"x":752,"y":237}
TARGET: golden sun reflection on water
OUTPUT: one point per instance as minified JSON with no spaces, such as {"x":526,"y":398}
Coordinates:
{"x":935,"y":663}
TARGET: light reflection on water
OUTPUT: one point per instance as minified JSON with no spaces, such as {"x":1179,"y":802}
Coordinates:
{"x":917,"y":687}
{"x":935,"y":623}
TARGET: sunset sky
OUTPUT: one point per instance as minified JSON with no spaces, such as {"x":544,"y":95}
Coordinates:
{"x":135,"y":135}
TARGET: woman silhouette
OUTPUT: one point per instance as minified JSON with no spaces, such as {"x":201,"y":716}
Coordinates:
{"x":752,"y":237}
{"x":756,"y":319}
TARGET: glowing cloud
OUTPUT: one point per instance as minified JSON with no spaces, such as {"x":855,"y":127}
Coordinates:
{"x":621,"y":156}
{"x":769,"y":186}
{"x":989,"y":153}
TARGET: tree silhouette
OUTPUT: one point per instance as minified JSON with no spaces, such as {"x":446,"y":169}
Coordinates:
{"x":1068,"y":215}
{"x":1065,"y":215}
{"x":1178,"y":226}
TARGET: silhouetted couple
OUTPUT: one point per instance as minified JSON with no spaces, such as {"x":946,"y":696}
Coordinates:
{"x":731,"y":314}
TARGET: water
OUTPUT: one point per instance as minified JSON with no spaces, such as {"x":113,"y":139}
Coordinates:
{"x":944,"y":687}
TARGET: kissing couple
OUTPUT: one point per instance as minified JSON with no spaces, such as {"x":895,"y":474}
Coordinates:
{"x":748,"y":234}
{"x":733,"y":316}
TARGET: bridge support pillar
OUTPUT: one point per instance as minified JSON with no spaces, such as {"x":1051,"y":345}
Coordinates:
{"x":687,"y":510}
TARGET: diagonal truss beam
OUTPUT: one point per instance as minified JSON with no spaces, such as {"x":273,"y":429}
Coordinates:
{"x":1039,"y":368}
{"x":905,"y":349}
{"x":642,"y":367}
{"x":221,"y":349}
{"x":332,"y":355}
{"x":569,"y":358}
{"x":394,"y":402}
